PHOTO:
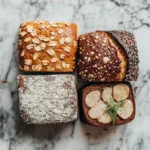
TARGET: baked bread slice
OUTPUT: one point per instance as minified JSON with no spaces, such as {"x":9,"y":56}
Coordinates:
{"x":127,"y":40}
{"x":47,"y":46}
{"x":104,"y":57}
{"x":98,"y":114}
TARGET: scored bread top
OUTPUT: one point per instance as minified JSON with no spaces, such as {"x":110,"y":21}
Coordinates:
{"x":100,"y":87}
{"x":106,"y":56}
{"x":47,"y":46}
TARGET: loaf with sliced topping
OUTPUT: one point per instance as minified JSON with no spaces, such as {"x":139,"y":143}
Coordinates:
{"x":107,"y":56}
{"x":107,"y":104}
{"x":47,"y":46}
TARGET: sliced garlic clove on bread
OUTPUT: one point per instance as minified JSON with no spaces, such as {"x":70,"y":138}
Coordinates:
{"x":107,"y":94}
{"x":97,"y":110}
{"x":120,"y":92}
{"x":92,"y":98}
{"x":126,"y":110}
{"x":104,"y":118}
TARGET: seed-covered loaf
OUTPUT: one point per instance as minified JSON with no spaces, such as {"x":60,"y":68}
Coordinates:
{"x":97,"y":99}
{"x":47,"y":46}
{"x":47,"y":99}
{"x":107,"y":56}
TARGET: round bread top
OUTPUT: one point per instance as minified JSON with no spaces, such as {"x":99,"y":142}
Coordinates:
{"x":101,"y":58}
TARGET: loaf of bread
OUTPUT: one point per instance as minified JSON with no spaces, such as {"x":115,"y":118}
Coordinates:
{"x":107,"y":104}
{"x":107,"y":56}
{"x":47,"y":46}
{"x":47,"y":99}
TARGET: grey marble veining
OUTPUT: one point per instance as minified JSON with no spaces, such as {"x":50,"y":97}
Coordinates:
{"x":90,"y":15}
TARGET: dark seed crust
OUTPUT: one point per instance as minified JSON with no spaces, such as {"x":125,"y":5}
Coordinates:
{"x":127,"y":40}
{"x":107,"y":56}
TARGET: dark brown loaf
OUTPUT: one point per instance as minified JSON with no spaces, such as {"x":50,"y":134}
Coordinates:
{"x":102,"y":57}
{"x":84,"y":109}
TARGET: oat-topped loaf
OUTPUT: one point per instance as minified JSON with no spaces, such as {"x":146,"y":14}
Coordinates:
{"x":47,"y":99}
{"x":107,"y":104}
{"x":107,"y":56}
{"x":47,"y":46}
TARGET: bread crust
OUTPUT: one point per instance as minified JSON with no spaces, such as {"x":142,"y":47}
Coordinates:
{"x":47,"y":46}
{"x":128,"y":42}
{"x":103,"y":58}
{"x":84,"y":109}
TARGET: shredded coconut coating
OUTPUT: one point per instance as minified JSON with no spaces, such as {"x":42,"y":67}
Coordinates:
{"x":47,"y":99}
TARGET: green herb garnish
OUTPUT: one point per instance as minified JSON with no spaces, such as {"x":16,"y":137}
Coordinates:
{"x":113,"y":107}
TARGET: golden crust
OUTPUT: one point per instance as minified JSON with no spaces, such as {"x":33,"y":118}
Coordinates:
{"x":47,"y":47}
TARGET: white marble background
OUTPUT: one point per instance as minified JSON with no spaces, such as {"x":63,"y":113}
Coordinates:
{"x":90,"y":15}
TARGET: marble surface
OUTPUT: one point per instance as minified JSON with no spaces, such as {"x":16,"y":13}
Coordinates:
{"x":90,"y":15}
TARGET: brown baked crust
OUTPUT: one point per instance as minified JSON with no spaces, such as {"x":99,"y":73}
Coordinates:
{"x":101,"y":58}
{"x":127,"y":40}
{"x":47,"y":46}
{"x":84,"y":109}
{"x":119,"y":46}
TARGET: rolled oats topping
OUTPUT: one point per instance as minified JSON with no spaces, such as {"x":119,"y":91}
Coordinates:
{"x":43,"y":45}
{"x":35,"y":56}
{"x":29,"y":28}
{"x":26,"y":68}
{"x":67,"y":49}
{"x":60,"y":31}
{"x":52,"y":33}
{"x":62,"y":41}
{"x":68,"y":39}
{"x":34,"y":67}
{"x":36,"y":40}
{"x":54,"y":25}
{"x":47,"y":44}
{"x":30,"y":46}
{"x":45,"y":62}
{"x":49,"y":68}
{"x":33,"y":33}
{"x":20,"y":42}
{"x":38,"y":67}
{"x":44,"y":38}
{"x":62,"y":56}
{"x":50,"y":51}
{"x":52,"y":43}
{"x":27,"y":39}
{"x":38,"y":48}
{"x":23,"y":33}
{"x":28,"y":61}
{"x":54,"y":59}
{"x":23,"y":52}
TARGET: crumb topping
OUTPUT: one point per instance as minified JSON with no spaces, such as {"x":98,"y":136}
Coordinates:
{"x":47,"y":99}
